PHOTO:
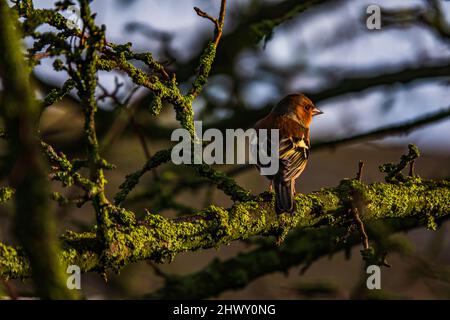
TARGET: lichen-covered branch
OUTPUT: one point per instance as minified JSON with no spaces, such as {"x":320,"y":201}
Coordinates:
{"x":161,"y":239}
{"x":6,"y":194}
{"x":207,"y":58}
{"x":220,"y":179}
{"x":132,"y":179}
{"x":64,"y":170}
{"x":302,"y":247}
{"x":87,"y":84}
{"x":393,"y":171}
{"x":56,"y":95}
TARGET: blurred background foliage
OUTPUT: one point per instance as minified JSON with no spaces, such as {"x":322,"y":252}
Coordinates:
{"x":362,"y":79}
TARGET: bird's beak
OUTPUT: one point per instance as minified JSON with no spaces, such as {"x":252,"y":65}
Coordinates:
{"x":316,"y":112}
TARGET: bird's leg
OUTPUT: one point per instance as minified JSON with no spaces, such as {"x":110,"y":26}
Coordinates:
{"x":270,"y":186}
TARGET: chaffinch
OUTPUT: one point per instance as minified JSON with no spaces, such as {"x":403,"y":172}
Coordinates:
{"x":292,"y":116}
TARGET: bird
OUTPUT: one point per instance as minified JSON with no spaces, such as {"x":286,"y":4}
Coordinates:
{"x":292,"y":116}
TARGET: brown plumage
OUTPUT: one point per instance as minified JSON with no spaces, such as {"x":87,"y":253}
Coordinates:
{"x":292,"y":117}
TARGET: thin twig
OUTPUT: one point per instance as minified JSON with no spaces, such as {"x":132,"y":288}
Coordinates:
{"x":222,"y":13}
{"x":158,"y":271}
{"x":360,"y":224}
{"x":203,"y":14}
{"x":397,"y":129}
{"x":142,"y":140}
{"x":218,"y":22}
{"x":117,"y":127}
{"x":360,"y":169}
{"x":411,"y":169}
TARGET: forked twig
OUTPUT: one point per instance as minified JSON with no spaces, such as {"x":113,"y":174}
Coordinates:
{"x":218,"y":22}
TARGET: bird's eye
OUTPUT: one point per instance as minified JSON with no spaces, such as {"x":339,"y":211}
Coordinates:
{"x":307,"y":107}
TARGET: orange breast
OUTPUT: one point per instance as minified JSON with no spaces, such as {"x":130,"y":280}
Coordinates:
{"x":287,"y":126}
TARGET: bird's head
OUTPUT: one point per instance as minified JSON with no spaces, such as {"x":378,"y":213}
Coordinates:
{"x":298,"y":107}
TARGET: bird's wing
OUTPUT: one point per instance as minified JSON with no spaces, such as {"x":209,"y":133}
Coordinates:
{"x":294,"y":153}
{"x":293,"y":145}
{"x":261,"y":147}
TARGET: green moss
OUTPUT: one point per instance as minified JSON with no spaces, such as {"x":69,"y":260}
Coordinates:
{"x":206,"y":61}
{"x":373,"y":257}
{"x":156,"y":105}
{"x":13,"y":264}
{"x":6,"y":193}
{"x":56,"y":95}
{"x":431,"y":222}
{"x":58,"y":197}
{"x":393,"y":171}
{"x":224,"y":183}
{"x":160,"y":239}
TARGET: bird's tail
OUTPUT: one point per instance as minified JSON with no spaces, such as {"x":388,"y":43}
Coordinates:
{"x":284,"y":196}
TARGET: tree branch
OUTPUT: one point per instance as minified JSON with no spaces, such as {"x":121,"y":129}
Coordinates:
{"x":389,"y":130}
{"x":160,"y":239}
{"x":302,"y":247}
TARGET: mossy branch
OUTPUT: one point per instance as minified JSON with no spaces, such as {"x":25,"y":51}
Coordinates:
{"x":132,"y":179}
{"x":394,"y":170}
{"x":220,"y":179}
{"x":209,"y":54}
{"x":301,"y":248}
{"x":161,"y":239}
{"x":57,"y":95}
{"x":6,"y":194}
